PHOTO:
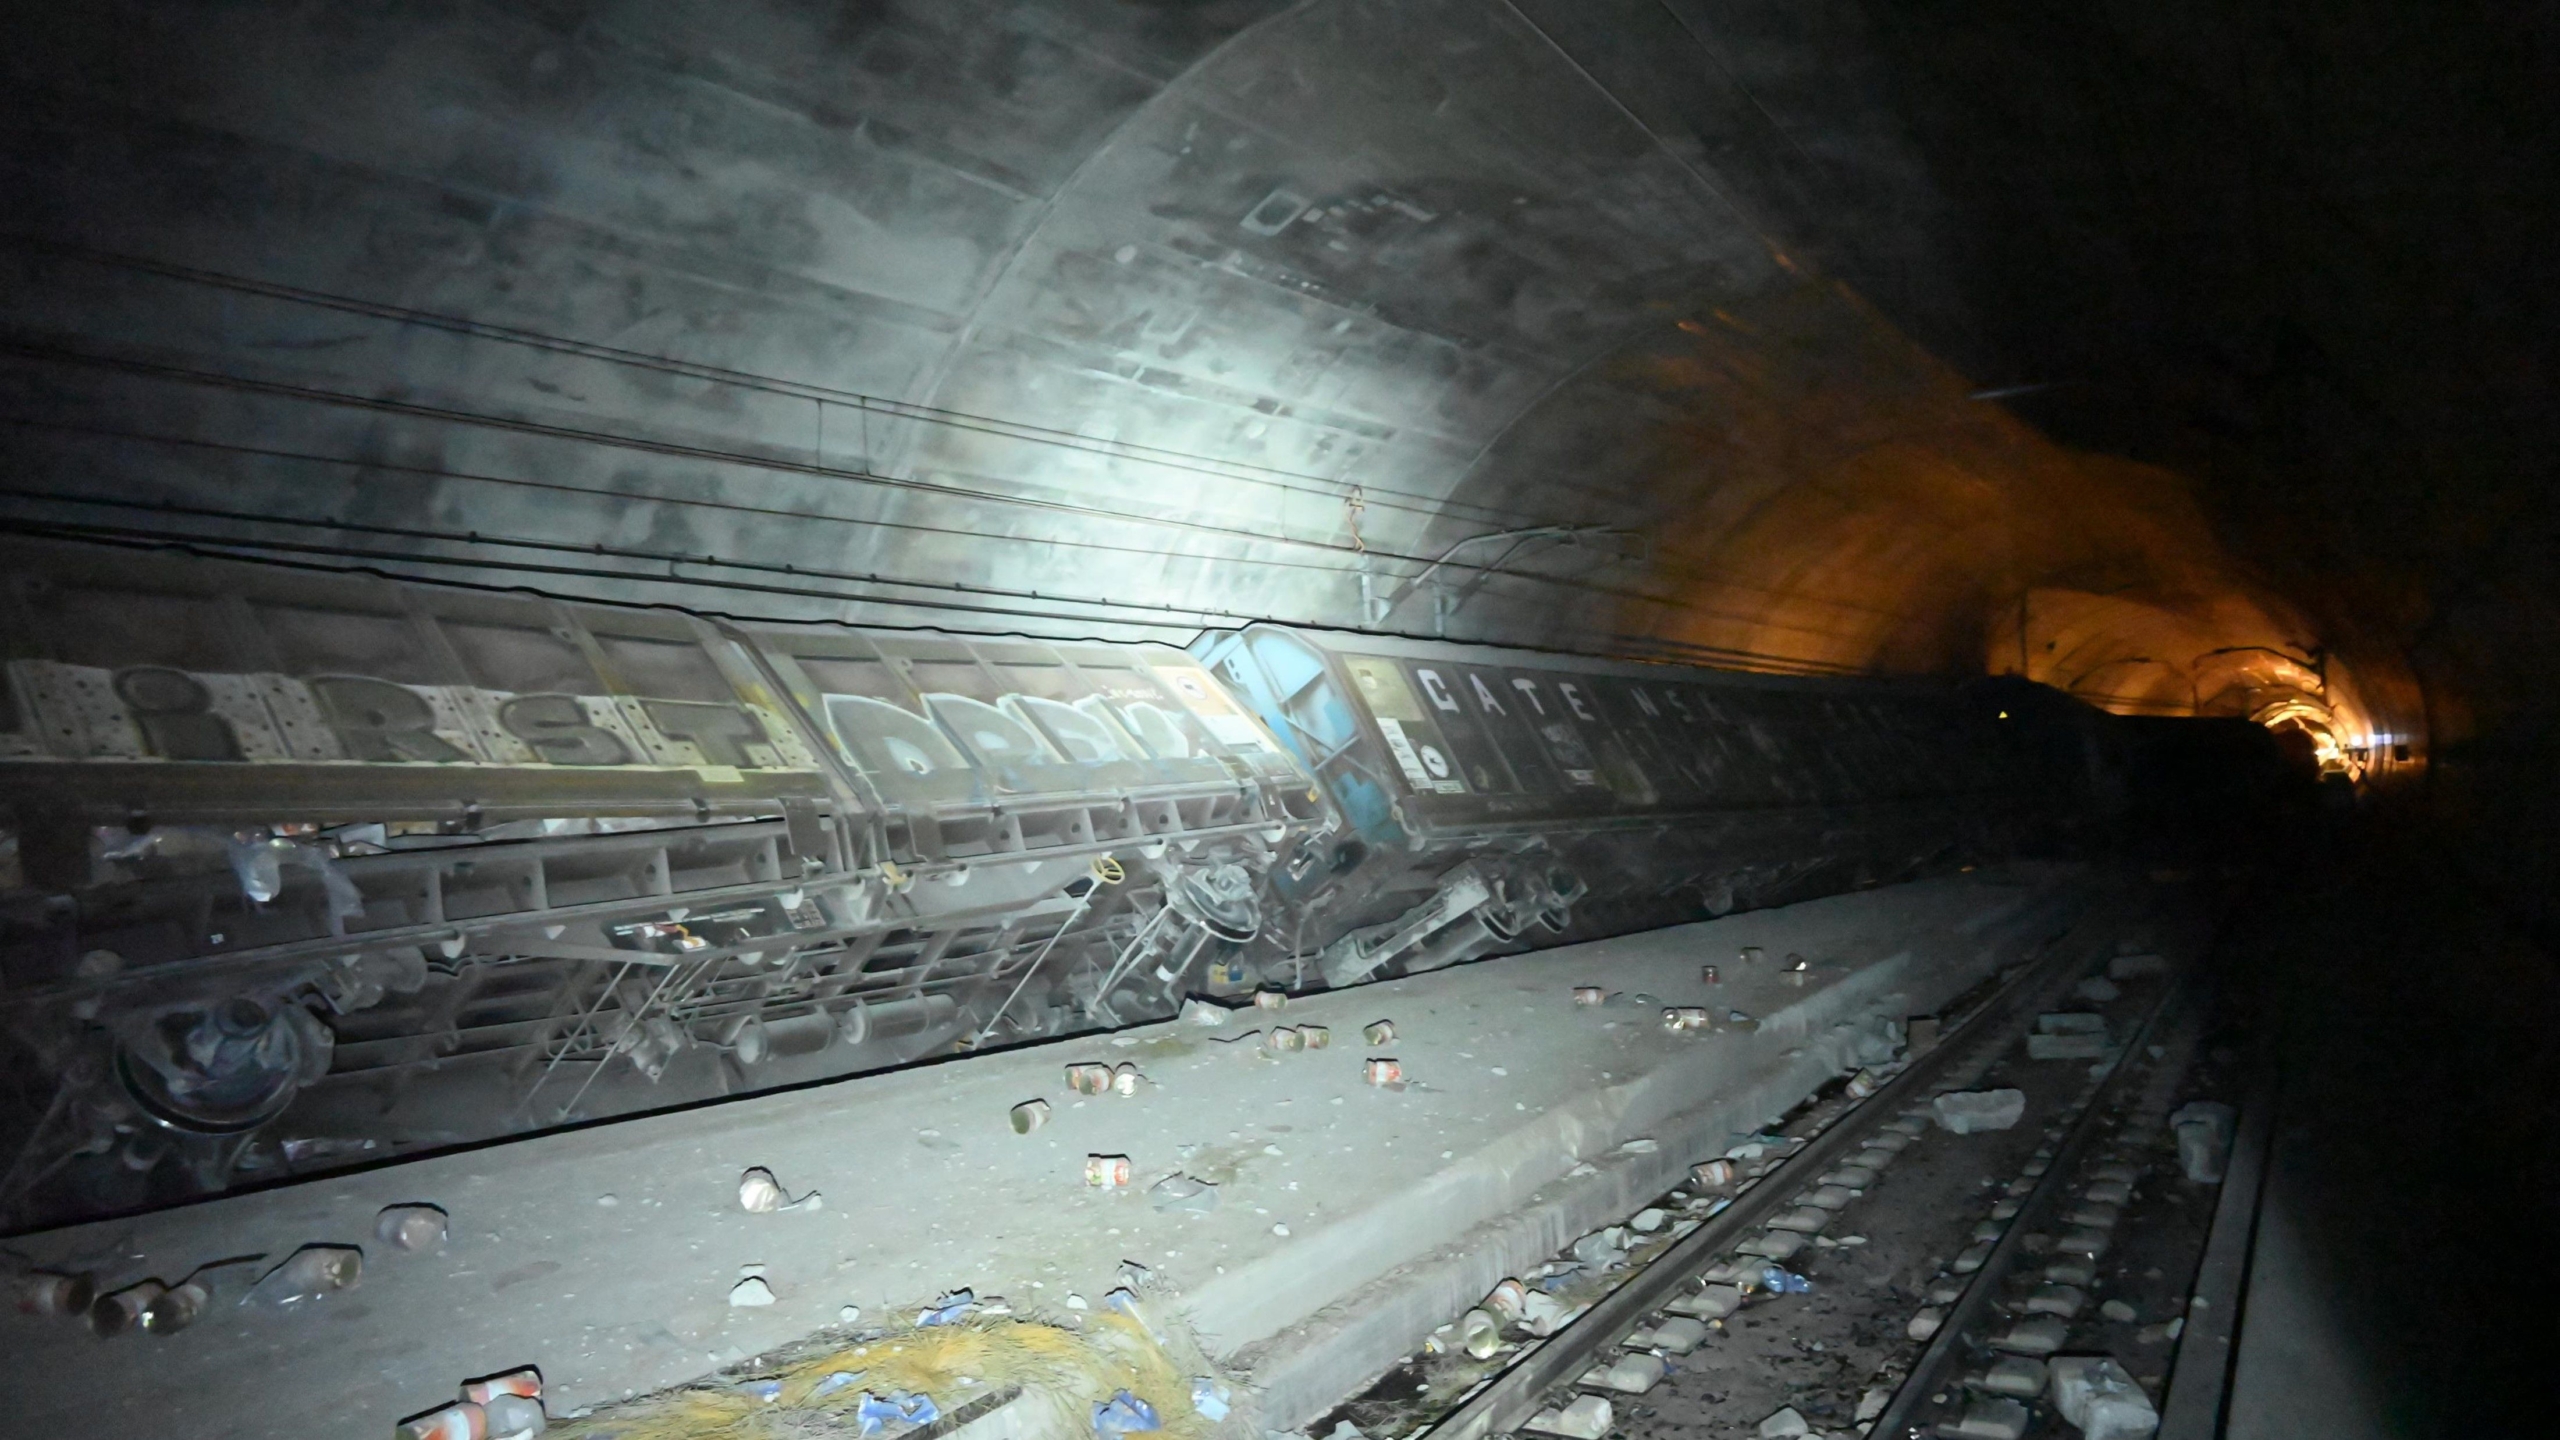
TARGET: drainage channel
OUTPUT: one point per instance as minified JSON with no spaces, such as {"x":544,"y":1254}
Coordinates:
{"x":1810,"y":1283}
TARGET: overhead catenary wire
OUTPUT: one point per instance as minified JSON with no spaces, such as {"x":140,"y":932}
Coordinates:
{"x":1279,"y":477}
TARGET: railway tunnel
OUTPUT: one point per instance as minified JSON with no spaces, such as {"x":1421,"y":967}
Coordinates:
{"x":1245,"y":716}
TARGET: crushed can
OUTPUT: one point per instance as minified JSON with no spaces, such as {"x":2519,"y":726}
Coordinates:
{"x":464,"y":1421}
{"x":1379,"y":1032}
{"x":1383,"y":1072}
{"x":1106,"y":1172}
{"x":310,"y":1273}
{"x":42,"y":1292}
{"x":111,"y":1315}
{"x":176,"y":1308}
{"x":526,"y":1383}
{"x":410,"y":1227}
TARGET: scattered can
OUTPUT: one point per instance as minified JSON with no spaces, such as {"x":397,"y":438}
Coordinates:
{"x":45,"y":1293}
{"x":1713,"y":1173}
{"x":1030,"y":1115}
{"x":1284,"y":1038}
{"x":410,"y":1227}
{"x":1270,"y":999}
{"x":1106,"y":1172}
{"x":1509,"y":1300}
{"x":514,"y":1417}
{"x":111,"y":1315}
{"x":176,"y":1308}
{"x":758,"y":1192}
{"x":1315,"y":1037}
{"x":526,"y":1382}
{"x":1686,"y":1017}
{"x":310,"y":1273}
{"x":1379,"y":1032}
{"x":1088,"y":1079}
{"x":1753,"y":955}
{"x":1863,"y":1084}
{"x":1709,"y":975}
{"x":1124,"y":1080}
{"x":1383,"y":1072}
{"x":464,"y":1421}
{"x":1588,"y":995}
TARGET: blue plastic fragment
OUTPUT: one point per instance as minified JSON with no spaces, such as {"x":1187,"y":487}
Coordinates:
{"x":1208,"y":1399}
{"x":948,"y":1308}
{"x":1124,"y":1414}
{"x":767,"y":1391}
{"x":835,"y":1381}
{"x":1779,"y":1281}
{"x":876,"y":1412}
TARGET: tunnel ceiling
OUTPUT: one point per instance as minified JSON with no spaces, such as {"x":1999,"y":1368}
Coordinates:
{"x":2109,"y":348}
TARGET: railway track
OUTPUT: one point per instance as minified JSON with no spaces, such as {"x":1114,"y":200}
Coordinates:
{"x":1870,"y":1272}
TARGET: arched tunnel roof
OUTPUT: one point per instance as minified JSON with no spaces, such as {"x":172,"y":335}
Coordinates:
{"x":1772,"y":338}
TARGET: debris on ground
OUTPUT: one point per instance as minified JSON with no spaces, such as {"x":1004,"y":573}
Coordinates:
{"x":947,"y":1308}
{"x":1379,"y":1032}
{"x":758,"y":1192}
{"x":1124,"y":1414}
{"x":410,"y":1227}
{"x":1778,"y":1280}
{"x":310,"y":1273}
{"x":1028,"y":1116}
{"x":177,"y":1307}
{"x":2094,"y":1393}
{"x":1383,"y":1071}
{"x":1628,"y":1375}
{"x":1197,"y":1011}
{"x":1210,"y":1398}
{"x":1967,"y":1112}
{"x":1785,"y":1423}
{"x":750,"y":1292}
{"x":875,"y":1413}
{"x":1183,"y":1193}
{"x":113,"y":1314}
{"x":1269,"y":999}
{"x":1106,"y":1172}
{"x":44,"y":1292}
{"x":2204,"y":1139}
{"x":1315,"y":1037}
{"x":1585,"y":1419}
{"x":2097,"y":988}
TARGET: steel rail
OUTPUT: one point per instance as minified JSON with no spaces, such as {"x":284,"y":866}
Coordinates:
{"x":1510,"y":1396}
{"x":1946,"y":1344}
{"x":2200,"y":1376}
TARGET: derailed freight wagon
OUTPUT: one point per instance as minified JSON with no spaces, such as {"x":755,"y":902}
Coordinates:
{"x":1496,"y":798}
{"x":300,"y":868}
